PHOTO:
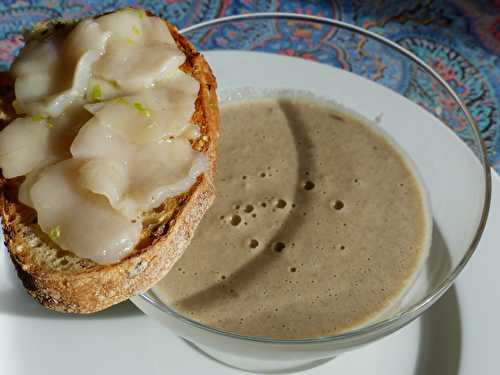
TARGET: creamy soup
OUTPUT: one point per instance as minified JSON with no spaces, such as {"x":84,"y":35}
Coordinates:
{"x":319,"y":225}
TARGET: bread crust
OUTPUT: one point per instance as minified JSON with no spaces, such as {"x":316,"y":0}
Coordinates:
{"x":92,"y":287}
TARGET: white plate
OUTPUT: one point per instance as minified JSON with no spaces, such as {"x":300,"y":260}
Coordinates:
{"x":455,"y":337}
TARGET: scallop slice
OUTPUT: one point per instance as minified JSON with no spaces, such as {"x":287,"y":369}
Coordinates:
{"x":65,"y":209}
{"x":126,"y":25}
{"x":140,"y":51}
{"x":96,"y":141}
{"x":25,"y":145}
{"x":38,"y":56}
{"x":134,"y":26}
{"x":154,"y":114}
{"x":63,"y":71}
{"x":86,"y":36}
{"x":137,"y":66}
{"x":144,"y":175}
{"x":35,"y":69}
{"x":24,"y":194}
{"x":163,"y":170}
{"x":105,"y":176}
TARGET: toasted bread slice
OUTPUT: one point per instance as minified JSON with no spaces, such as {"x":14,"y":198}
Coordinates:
{"x":64,"y":282}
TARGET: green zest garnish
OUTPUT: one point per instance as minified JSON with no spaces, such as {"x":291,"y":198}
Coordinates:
{"x":55,"y":232}
{"x":146,"y":112}
{"x":136,"y":30}
{"x":96,"y":94}
{"x":130,"y":41}
{"x":48,"y":120}
{"x":38,"y":117}
{"x":141,"y":13}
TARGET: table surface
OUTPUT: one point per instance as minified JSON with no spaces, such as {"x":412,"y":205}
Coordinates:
{"x":459,"y":38}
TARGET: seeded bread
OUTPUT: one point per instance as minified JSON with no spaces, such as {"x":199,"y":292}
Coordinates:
{"x":64,"y":282}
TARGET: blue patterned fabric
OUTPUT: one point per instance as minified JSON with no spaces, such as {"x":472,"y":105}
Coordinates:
{"x":460,"y":39}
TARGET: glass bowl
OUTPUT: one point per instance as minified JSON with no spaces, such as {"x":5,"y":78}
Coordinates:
{"x":375,"y":77}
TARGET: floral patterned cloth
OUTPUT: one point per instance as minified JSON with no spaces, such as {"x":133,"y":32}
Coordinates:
{"x":459,"y":38}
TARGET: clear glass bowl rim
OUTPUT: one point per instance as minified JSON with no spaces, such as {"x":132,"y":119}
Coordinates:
{"x":416,"y":309}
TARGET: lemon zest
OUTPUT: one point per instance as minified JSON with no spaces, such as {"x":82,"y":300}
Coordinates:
{"x":136,"y":30}
{"x":38,"y":117}
{"x":48,"y":120}
{"x":55,"y":232}
{"x":141,"y":13}
{"x":145,"y":111}
{"x":96,"y":94}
